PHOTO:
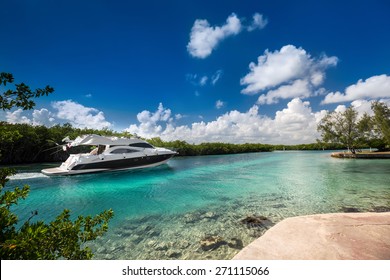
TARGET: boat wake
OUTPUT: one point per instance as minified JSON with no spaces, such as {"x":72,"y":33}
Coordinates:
{"x":27,"y":175}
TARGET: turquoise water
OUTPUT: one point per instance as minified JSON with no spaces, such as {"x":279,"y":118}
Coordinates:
{"x":166,"y":212}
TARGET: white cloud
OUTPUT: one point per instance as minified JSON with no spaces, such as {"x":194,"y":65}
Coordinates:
{"x":372,"y":88}
{"x":205,"y":38}
{"x":297,"y":123}
{"x":80,"y":116}
{"x":64,"y":111}
{"x":38,"y":117}
{"x":219,"y":104}
{"x":289,"y":72}
{"x":43,"y":117}
{"x":258,"y":22}
{"x":317,"y":78}
{"x":299,"y":88}
{"x":340,"y":109}
{"x":294,"y":124}
{"x":361,"y":106}
{"x":274,"y":68}
{"x":150,"y":123}
{"x":16,"y":117}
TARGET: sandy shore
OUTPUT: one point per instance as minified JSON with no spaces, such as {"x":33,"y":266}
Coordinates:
{"x":340,"y":236}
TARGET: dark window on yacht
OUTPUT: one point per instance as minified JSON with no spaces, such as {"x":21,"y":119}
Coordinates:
{"x":123,"y":151}
{"x":141,"y":145}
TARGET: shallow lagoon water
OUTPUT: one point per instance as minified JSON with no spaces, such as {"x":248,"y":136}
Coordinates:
{"x":165,"y":212}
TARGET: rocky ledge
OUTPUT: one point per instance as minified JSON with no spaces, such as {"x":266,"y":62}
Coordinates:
{"x":363,"y":155}
{"x":340,"y":236}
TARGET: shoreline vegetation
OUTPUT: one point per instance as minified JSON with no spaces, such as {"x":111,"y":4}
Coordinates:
{"x":24,"y":143}
{"x":342,"y":130}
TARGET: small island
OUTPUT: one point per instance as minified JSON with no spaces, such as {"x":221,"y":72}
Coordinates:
{"x":356,"y":132}
{"x":362,"y":155}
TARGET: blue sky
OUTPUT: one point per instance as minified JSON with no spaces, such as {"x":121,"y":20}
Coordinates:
{"x":230,"y":71}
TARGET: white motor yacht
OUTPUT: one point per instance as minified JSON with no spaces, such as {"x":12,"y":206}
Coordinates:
{"x":111,"y":153}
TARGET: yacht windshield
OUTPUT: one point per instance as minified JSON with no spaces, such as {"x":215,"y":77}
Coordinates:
{"x":141,"y":145}
{"x":123,"y":151}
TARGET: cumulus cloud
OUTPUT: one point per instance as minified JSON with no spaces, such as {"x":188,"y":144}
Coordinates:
{"x":150,"y":123}
{"x":80,"y":116}
{"x":297,"y":122}
{"x":38,"y":117}
{"x":205,"y":38}
{"x":294,"y":124}
{"x":299,"y":88}
{"x":275,"y":68}
{"x":17,"y":117}
{"x":362,"y":106}
{"x":64,"y":111}
{"x":340,"y":109}
{"x":258,"y":22}
{"x":372,"y":88}
{"x":43,"y":117}
{"x":287,"y":73}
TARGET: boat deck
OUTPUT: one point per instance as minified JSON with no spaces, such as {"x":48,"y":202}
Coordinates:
{"x":55,"y":171}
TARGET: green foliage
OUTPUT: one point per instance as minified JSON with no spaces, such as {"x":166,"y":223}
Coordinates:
{"x":381,"y":121}
{"x":22,"y":96}
{"x":309,"y":147}
{"x":345,"y":128}
{"x":185,"y":149}
{"x":61,"y":238}
{"x":341,"y":128}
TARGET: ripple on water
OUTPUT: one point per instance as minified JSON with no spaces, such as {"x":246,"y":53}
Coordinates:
{"x":27,"y":176}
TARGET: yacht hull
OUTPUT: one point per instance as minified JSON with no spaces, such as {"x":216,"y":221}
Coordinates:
{"x":109,"y":153}
{"x":110,"y":165}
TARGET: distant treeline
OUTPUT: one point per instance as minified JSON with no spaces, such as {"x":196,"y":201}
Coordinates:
{"x":24,"y":143}
{"x":186,"y":149}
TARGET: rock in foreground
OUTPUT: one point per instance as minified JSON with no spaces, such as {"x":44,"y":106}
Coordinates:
{"x":341,"y":236}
